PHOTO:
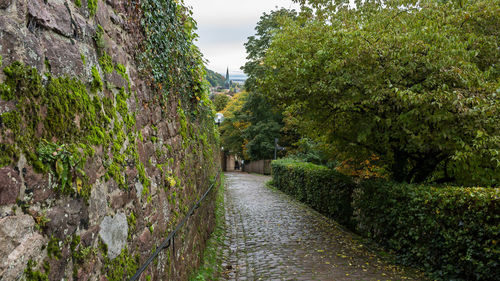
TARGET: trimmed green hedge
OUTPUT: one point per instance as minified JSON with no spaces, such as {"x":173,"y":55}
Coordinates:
{"x":325,"y":190}
{"x":452,"y":232}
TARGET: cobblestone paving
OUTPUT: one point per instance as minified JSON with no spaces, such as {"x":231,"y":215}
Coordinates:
{"x":272,"y":237}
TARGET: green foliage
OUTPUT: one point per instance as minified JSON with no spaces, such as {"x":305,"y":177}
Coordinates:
{"x":41,"y":221}
{"x":175,"y":63}
{"x":92,"y":6}
{"x":34,"y":275}
{"x":232,"y":127}
{"x":451,"y":232}
{"x":211,"y":267}
{"x":96,"y":81}
{"x":7,"y":154}
{"x":326,"y":190}
{"x":106,"y":63}
{"x":79,"y":253}
{"x":131,"y":220}
{"x":53,"y":249}
{"x":220,"y":101}
{"x":417,"y":87}
{"x":63,"y":162}
{"x":84,"y":61}
{"x":122,"y":71}
{"x":215,"y":79}
{"x":62,"y":109}
{"x":262,"y":122}
{"x":78,"y":3}
{"x":99,"y":38}
{"x":122,"y":267}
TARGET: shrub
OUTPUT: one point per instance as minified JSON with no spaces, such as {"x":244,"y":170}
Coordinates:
{"x":451,"y":232}
{"x":324,"y":189}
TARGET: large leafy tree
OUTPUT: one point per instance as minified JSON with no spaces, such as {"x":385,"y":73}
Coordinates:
{"x":414,"y":83}
{"x":233,"y":126}
{"x":265,"y":120}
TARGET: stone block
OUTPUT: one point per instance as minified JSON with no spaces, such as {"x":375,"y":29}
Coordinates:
{"x":98,"y":202}
{"x":10,"y":185}
{"x":65,"y":218}
{"x":114,"y":232}
{"x":18,"y":243}
{"x":19,"y":46}
{"x":52,"y":16}
{"x":64,"y":57}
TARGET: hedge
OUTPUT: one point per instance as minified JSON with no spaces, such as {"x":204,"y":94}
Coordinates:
{"x":451,"y":232}
{"x":325,"y":190}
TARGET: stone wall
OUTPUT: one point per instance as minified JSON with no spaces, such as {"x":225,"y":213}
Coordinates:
{"x":96,"y":167}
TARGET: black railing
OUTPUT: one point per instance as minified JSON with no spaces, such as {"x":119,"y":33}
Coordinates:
{"x":170,"y":238}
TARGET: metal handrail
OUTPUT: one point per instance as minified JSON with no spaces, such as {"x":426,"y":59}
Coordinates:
{"x":170,"y":238}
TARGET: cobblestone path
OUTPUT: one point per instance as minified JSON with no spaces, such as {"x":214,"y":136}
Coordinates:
{"x":270,"y":236}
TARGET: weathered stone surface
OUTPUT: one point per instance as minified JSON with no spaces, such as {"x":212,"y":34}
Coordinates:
{"x":119,"y":199}
{"x":138,"y":188}
{"x":131,"y":175}
{"x":89,"y":236}
{"x":83,"y":29}
{"x":52,"y":36}
{"x":145,"y":240}
{"x":10,"y":184}
{"x":18,"y":243}
{"x":6,"y":106}
{"x":114,"y":231}
{"x":51,"y":16}
{"x":19,"y":46}
{"x":94,"y":168}
{"x":15,"y":263}
{"x":65,"y":218}
{"x":103,"y":16}
{"x":117,"y":80}
{"x":5,"y":4}
{"x":64,"y":57}
{"x":13,"y":229}
{"x":37,"y":184}
{"x":116,"y":18}
{"x":98,"y":202}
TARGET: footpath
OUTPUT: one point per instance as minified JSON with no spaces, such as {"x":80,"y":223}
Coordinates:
{"x":270,"y":236}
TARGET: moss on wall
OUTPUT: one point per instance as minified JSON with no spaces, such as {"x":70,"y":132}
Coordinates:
{"x":57,"y":125}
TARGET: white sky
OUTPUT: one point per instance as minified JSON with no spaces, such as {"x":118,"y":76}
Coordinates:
{"x":225,"y":25}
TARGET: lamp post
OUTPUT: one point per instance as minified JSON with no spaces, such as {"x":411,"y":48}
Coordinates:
{"x":219,"y":117}
{"x":277,"y":147}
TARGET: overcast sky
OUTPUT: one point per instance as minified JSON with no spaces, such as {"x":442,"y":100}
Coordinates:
{"x":225,"y":25}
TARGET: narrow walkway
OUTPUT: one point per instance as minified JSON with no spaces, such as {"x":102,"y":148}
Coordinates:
{"x":270,"y":236}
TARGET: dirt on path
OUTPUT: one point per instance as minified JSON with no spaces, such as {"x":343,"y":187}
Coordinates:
{"x":270,"y":236}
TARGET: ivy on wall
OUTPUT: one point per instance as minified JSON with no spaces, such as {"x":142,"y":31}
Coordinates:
{"x":175,"y":63}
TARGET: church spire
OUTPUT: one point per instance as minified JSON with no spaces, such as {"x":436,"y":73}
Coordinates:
{"x":228,"y":82}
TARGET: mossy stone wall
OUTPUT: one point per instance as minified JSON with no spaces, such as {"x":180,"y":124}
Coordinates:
{"x":86,"y":137}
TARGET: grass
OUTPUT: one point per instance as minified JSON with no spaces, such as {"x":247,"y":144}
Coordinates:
{"x":211,"y":267}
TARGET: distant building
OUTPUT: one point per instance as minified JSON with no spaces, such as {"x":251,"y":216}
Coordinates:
{"x":228,"y":83}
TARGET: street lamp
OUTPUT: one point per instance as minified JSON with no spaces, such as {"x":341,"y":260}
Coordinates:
{"x":277,"y":147}
{"x":219,"y":117}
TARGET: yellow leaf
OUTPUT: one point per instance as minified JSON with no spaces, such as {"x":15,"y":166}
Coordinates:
{"x":79,"y":185}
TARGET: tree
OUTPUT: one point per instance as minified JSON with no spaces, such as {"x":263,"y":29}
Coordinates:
{"x":232,"y":128}
{"x":221,"y":101}
{"x":416,"y":85}
{"x":265,"y":121}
